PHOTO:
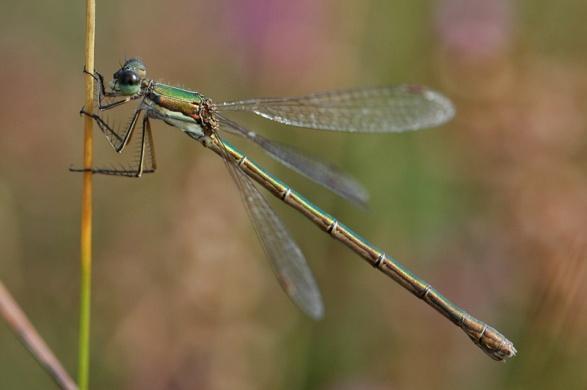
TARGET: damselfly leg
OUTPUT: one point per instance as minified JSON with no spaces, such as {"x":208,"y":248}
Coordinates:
{"x":146,"y":149}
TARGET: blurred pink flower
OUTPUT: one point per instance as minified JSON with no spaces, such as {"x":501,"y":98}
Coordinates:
{"x":287,"y":35}
{"x":477,"y":28}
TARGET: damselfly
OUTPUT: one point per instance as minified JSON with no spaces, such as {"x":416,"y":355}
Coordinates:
{"x":375,"y":110}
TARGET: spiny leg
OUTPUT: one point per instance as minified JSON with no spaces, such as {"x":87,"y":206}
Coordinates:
{"x":147,"y":129}
{"x":146,"y":137}
{"x":109,"y":132}
{"x":139,"y":170}
{"x":130,"y":130}
{"x":116,"y":103}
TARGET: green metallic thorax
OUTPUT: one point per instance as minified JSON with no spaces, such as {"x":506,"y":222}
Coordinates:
{"x":176,"y":93}
{"x":175,"y":99}
{"x":176,"y":106}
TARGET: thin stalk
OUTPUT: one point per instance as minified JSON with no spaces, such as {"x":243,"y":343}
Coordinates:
{"x":86,"y":220}
{"x":28,"y":335}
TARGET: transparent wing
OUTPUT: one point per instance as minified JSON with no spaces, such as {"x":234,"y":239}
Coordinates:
{"x":289,"y":264}
{"x":377,"y":110}
{"x":323,"y":174}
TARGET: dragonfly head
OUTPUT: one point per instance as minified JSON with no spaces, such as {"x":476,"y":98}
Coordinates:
{"x":128,"y":79}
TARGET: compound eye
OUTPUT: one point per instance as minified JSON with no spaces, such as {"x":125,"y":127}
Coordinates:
{"x":128,"y":78}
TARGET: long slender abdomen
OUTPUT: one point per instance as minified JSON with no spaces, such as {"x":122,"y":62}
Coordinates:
{"x":484,"y":336}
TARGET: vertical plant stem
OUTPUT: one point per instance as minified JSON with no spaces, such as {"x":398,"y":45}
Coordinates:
{"x":86,"y":222}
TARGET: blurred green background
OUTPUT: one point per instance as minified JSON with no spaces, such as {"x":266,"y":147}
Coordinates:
{"x":491,"y":208}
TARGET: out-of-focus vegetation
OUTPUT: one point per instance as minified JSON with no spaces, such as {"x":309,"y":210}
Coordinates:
{"x":491,"y":209}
